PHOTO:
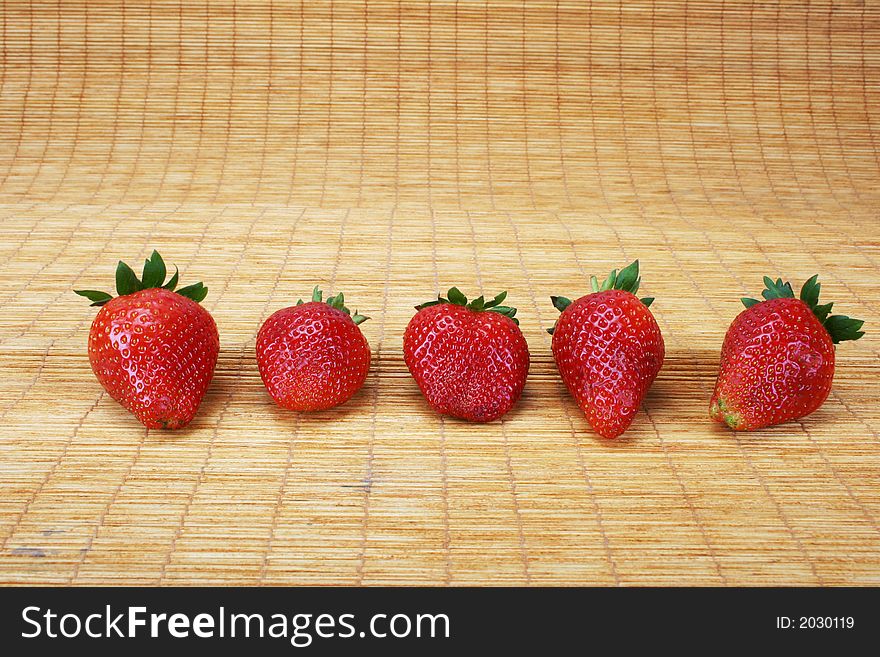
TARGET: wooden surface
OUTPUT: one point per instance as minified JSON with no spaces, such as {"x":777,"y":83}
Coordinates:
{"x":390,"y":151}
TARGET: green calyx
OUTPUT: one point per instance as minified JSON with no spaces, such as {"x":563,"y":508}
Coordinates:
{"x":127,"y":282}
{"x":479,"y":304}
{"x":337,"y":301}
{"x":839,"y":327}
{"x":627,"y":279}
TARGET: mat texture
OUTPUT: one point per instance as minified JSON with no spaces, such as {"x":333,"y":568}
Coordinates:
{"x":391,"y":149}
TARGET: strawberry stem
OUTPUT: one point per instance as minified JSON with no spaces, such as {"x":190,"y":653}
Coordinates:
{"x":127,"y":282}
{"x":455,"y":296}
{"x":839,"y":327}
{"x":337,"y":302}
{"x":627,"y":279}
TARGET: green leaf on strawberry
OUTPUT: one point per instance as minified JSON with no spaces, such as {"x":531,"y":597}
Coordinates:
{"x":843,"y":328}
{"x":97,"y":298}
{"x":337,"y":302}
{"x":456,"y":297}
{"x":127,"y":282}
{"x":839,"y":327}
{"x":627,"y":279}
{"x":197,"y":292}
{"x":171,"y":284}
{"x":560,"y":303}
{"x":154,"y":271}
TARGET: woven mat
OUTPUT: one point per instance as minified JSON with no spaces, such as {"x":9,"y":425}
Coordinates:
{"x":390,"y":150}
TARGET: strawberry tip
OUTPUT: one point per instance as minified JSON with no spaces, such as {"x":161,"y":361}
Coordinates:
{"x":733,"y":421}
{"x":720,"y":413}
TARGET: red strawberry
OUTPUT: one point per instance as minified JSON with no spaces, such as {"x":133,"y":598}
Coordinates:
{"x":777,"y":361}
{"x":153,"y":348}
{"x":608,"y":349}
{"x":312,"y":356}
{"x":469,"y":359}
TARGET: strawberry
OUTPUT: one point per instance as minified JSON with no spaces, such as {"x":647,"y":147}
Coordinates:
{"x":153,"y":347}
{"x":608,"y":349}
{"x":313,"y":356}
{"x":470,"y":360}
{"x":777,"y":360}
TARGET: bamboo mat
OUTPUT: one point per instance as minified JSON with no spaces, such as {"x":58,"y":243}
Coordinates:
{"x":391,"y":149}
